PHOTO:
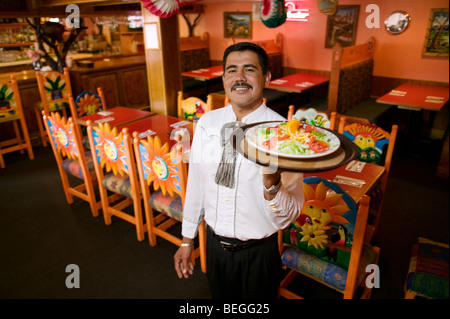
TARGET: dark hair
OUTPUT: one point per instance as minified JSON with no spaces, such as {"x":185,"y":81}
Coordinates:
{"x":248,"y":46}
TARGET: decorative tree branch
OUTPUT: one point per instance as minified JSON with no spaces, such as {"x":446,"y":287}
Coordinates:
{"x":193,"y":25}
{"x":51,"y":33}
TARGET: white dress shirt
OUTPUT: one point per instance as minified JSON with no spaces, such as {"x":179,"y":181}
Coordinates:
{"x":240,"y":212}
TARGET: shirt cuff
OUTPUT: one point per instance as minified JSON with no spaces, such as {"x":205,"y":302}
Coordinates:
{"x":189,"y":229}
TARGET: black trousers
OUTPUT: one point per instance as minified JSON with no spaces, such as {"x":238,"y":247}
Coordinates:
{"x":251,"y":273}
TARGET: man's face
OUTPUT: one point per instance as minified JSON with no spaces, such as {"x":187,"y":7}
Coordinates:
{"x":243,"y":79}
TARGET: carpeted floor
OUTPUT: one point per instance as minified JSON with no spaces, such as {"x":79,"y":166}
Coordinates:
{"x":40,"y":235}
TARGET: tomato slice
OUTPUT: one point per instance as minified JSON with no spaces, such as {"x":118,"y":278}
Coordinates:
{"x":318,"y":146}
{"x":272,"y":142}
{"x":310,"y":128}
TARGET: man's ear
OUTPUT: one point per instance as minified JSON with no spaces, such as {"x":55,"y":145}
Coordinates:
{"x":267,"y":78}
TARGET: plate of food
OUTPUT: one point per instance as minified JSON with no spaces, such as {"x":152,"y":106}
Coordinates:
{"x":292,"y":139}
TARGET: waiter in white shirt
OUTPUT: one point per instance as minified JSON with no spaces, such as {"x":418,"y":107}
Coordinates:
{"x":243,"y":204}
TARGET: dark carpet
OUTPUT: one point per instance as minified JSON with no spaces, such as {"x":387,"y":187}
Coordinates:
{"x":40,"y":235}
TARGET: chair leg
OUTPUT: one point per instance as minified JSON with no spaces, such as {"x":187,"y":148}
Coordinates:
{"x":26,"y":137}
{"x":42,"y":132}
{"x":2,"y":162}
{"x":202,"y":244}
{"x":19,"y":140}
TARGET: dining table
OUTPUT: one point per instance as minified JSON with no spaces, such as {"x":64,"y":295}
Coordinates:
{"x":416,"y":98}
{"x":164,"y":126}
{"x":205,"y":74}
{"x":115,"y":116}
{"x":298,"y":82}
{"x":356,"y":178}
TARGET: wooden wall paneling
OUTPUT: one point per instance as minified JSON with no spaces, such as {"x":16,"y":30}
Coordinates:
{"x":134,"y":87}
{"x":109,"y":83}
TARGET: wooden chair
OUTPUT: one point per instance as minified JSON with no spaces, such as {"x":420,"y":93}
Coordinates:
{"x":72,"y":159}
{"x":217,"y":100}
{"x":192,"y":108}
{"x":375,"y":146}
{"x":326,"y":243}
{"x":115,"y":168}
{"x":163,"y":178}
{"x":11,"y":111}
{"x":87,"y":103}
{"x":312,"y":116}
{"x":53,"y":90}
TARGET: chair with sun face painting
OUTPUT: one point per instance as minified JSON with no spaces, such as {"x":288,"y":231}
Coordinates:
{"x":326,"y":242}
{"x":312,"y":116}
{"x":115,"y":168}
{"x":192,"y":108}
{"x":72,"y":159}
{"x":375,"y":146}
{"x":53,"y":90}
{"x":11,"y":111}
{"x":88,"y":103}
{"x":163,"y":178}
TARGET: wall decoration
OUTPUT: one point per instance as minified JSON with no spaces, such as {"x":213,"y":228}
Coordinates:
{"x":341,"y":28}
{"x":397,"y":22}
{"x":237,"y":25}
{"x":436,"y":38}
{"x":273,"y":13}
{"x":328,"y":7}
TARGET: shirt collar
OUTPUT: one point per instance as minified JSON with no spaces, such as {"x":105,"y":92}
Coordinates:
{"x":251,"y":117}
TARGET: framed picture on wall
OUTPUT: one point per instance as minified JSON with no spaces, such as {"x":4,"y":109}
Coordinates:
{"x":341,"y":27}
{"x":436,"y":38}
{"x":237,"y":25}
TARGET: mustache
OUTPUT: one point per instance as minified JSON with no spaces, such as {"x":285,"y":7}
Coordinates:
{"x":244,"y":84}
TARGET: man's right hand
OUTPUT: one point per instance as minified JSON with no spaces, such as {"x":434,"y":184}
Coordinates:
{"x":183,"y":263}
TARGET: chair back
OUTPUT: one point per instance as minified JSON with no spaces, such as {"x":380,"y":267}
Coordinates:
{"x":53,"y":89}
{"x":88,"y":103}
{"x":375,"y":145}
{"x":192,"y":108}
{"x":62,"y":135}
{"x":326,"y":225}
{"x":160,"y":168}
{"x":314,"y":117}
{"x":10,"y":102}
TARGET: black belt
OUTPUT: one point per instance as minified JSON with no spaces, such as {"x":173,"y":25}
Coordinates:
{"x":234,"y":244}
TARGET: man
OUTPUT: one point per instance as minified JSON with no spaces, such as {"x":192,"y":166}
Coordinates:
{"x":242,"y":203}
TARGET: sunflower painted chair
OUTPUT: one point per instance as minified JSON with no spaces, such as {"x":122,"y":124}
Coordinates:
{"x":375,"y":146}
{"x":115,"y":168}
{"x":326,"y":242}
{"x":11,"y":111}
{"x":163,"y":178}
{"x":53,"y":90}
{"x":88,"y":103}
{"x":192,"y":108}
{"x":312,"y":116}
{"x":72,"y":159}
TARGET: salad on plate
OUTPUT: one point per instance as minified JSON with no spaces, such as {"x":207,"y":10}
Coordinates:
{"x":293,"y":139}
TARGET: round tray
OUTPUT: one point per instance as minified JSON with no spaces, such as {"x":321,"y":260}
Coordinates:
{"x":346,"y":153}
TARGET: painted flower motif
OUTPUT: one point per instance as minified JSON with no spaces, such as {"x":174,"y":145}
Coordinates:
{"x":88,"y":104}
{"x":110,"y":149}
{"x":314,"y":235}
{"x":62,"y":135}
{"x":160,"y":166}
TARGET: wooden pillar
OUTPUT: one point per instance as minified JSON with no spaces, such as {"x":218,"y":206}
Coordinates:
{"x":161,"y":39}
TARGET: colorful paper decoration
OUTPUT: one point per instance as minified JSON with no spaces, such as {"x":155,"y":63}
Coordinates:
{"x":273,"y":13}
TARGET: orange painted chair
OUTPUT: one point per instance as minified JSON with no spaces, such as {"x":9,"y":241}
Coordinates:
{"x":312,"y":116}
{"x":11,"y":111}
{"x":115,"y":168}
{"x":192,"y":108}
{"x":326,"y":243}
{"x":53,"y":90}
{"x":163,"y":178}
{"x":375,"y":146}
{"x":87,"y":103}
{"x":72,"y":159}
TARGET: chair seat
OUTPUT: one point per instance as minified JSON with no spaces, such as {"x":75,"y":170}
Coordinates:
{"x":166,"y":204}
{"x":428,"y":270}
{"x":54,"y":106}
{"x":328,"y":273}
{"x":73,"y":167}
{"x":118,"y":184}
